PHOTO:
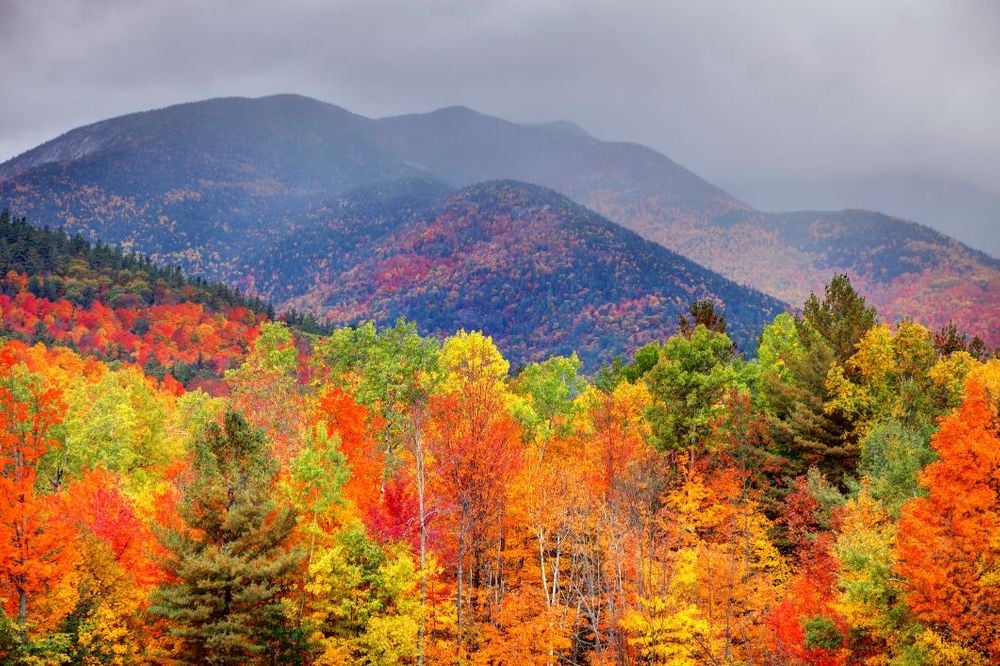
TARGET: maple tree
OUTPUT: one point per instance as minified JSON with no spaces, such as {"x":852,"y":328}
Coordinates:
{"x":947,"y":544}
{"x":36,"y":541}
{"x":475,"y":444}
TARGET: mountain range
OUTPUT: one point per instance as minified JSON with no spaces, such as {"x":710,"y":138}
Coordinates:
{"x":546,"y":237}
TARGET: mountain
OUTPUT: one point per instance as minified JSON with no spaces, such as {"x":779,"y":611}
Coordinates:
{"x":199,"y":183}
{"x":539,"y":273}
{"x":928,"y":275}
{"x":958,"y":207}
{"x":209,"y":184}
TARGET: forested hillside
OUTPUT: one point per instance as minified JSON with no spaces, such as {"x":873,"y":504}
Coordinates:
{"x":538,"y":273}
{"x":208,"y":184}
{"x":380,"y":496}
{"x":58,"y":289}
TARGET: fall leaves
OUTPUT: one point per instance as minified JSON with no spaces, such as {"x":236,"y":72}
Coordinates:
{"x":376,"y":496}
{"x":949,"y":541}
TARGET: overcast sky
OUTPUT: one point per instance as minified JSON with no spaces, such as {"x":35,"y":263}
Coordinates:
{"x":892,"y":104}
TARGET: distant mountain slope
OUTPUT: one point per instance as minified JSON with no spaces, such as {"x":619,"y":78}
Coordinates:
{"x":538,"y":272}
{"x":211,"y":183}
{"x":461,"y":146}
{"x":926,"y":275}
{"x":197,"y":183}
{"x":905,"y":269}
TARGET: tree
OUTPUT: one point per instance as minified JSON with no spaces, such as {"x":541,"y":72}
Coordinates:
{"x":362,"y":600}
{"x":116,"y":572}
{"x":393,"y":373}
{"x":841,"y":318}
{"x":229,"y":564}
{"x":264,"y":388}
{"x":688,"y":383}
{"x":808,"y":426}
{"x":476,"y":448}
{"x":549,"y":390}
{"x":869,"y":593}
{"x":891,"y":459}
{"x":703,"y":313}
{"x":36,"y":540}
{"x":948,"y":548}
{"x":887,"y":377}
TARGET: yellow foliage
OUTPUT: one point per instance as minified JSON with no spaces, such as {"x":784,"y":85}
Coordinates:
{"x":988,"y":374}
{"x":665,"y":632}
{"x":935,"y":650}
{"x":948,"y":375}
{"x":472,"y":360}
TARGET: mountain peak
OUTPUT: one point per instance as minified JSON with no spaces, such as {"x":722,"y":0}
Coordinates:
{"x":457,"y":110}
{"x":564,"y":127}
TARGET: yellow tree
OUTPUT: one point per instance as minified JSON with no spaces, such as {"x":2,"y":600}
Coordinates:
{"x":715,"y":578}
{"x":476,"y":448}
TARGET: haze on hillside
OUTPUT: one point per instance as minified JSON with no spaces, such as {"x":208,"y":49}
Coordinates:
{"x":787,"y":105}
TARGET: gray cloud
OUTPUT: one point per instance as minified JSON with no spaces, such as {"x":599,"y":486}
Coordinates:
{"x":784,"y":102}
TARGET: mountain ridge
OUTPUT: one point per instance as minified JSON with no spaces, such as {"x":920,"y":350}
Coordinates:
{"x":239,"y":169}
{"x":528,"y":266}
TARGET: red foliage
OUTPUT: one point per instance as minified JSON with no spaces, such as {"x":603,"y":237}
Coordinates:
{"x":36,"y":539}
{"x":99,"y":506}
{"x":174,"y":333}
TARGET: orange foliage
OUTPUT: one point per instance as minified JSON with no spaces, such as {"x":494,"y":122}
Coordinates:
{"x":177,"y":333}
{"x":949,"y":542}
{"x":36,"y":541}
{"x":341,"y":415}
{"x":97,"y":503}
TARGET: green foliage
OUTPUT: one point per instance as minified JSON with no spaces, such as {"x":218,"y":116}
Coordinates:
{"x":363,"y":599}
{"x":15,"y":648}
{"x":318,"y":472}
{"x":822,"y":633}
{"x":120,"y":423}
{"x":808,"y":423}
{"x":391,"y":371}
{"x":841,"y":318}
{"x":549,"y":390}
{"x":779,"y":347}
{"x":229,"y":561}
{"x":891,"y":459}
{"x":688,"y":383}
{"x":68,"y":267}
{"x":273,"y":350}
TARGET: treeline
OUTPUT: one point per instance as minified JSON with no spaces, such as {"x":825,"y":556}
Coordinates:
{"x":93,"y":298}
{"x":388,"y":498}
{"x":63,"y":267}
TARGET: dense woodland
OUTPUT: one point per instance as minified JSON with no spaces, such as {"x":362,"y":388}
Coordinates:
{"x":377,"y":496}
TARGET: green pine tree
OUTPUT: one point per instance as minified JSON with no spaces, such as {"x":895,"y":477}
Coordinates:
{"x":231,"y":562}
{"x":794,"y":382}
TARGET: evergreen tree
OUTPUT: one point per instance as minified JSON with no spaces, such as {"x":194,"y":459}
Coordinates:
{"x":806,"y":427}
{"x":841,"y":318}
{"x":229,"y":563}
{"x":703,"y":312}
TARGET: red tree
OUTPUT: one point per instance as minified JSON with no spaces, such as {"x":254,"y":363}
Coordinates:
{"x":36,"y":540}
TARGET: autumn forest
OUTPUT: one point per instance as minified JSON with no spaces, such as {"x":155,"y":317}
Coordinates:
{"x":188,"y":477}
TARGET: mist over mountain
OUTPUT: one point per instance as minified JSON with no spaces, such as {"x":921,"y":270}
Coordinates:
{"x":970,"y":211}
